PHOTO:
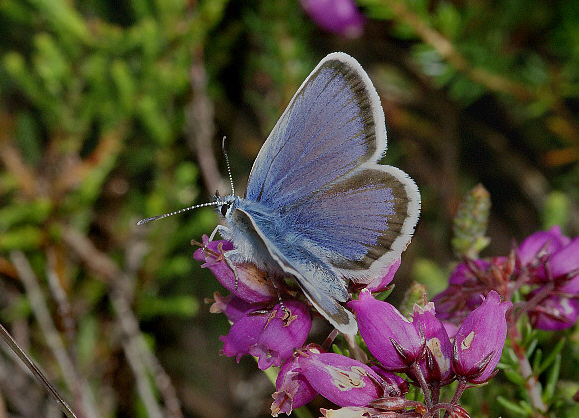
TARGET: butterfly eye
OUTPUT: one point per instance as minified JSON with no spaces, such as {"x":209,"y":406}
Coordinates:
{"x":224,"y":208}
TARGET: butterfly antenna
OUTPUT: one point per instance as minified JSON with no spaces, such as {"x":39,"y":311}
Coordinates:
{"x":165,"y":215}
{"x":228,"y":167}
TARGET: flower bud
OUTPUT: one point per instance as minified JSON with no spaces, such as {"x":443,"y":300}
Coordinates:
{"x":436,"y":365}
{"x":389,"y":336}
{"x":480,"y":339}
{"x":342,"y":380}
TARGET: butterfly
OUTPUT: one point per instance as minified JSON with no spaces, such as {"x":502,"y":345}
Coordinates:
{"x":318,"y":206}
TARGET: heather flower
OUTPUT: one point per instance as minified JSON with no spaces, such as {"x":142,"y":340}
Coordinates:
{"x":342,"y":380}
{"x":233,"y":307}
{"x":389,"y":336}
{"x":552,"y":260}
{"x":480,"y":339}
{"x":395,"y":385}
{"x":436,"y":364}
{"x":252,"y":285}
{"x":341,"y":17}
{"x":356,"y":412}
{"x":555,"y":313}
{"x":541,"y":243}
{"x":463,"y":292}
{"x":292,"y":388}
{"x":564,"y":268}
{"x":271,"y":336}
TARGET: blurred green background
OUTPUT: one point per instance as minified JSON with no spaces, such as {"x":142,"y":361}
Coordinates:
{"x":111,"y":111}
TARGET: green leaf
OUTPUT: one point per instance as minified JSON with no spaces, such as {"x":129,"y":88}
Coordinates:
{"x":552,"y":379}
{"x":552,"y":355}
{"x":523,"y":409}
{"x":150,"y":306}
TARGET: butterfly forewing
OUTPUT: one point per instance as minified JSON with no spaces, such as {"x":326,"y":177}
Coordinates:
{"x":329,"y":128}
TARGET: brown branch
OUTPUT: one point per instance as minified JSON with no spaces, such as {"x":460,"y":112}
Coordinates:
{"x":139,"y":355}
{"x":12,"y":158}
{"x":200,"y":127}
{"x":73,"y":379}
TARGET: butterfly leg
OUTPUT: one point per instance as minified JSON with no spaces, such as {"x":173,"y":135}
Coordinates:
{"x":220,"y":229}
{"x":229,"y":254}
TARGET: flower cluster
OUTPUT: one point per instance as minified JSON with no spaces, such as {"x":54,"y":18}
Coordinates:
{"x":276,"y":332}
{"x":262,"y":326}
{"x":544,"y":269}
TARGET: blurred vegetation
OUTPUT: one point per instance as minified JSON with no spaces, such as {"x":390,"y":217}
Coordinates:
{"x":111,"y":111}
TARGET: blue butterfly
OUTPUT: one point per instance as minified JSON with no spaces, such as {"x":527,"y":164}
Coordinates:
{"x":318,"y":206}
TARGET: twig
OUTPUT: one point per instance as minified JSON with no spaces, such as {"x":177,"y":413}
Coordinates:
{"x":73,"y":380}
{"x":447,"y":50}
{"x":36,"y":372}
{"x":141,"y":357}
{"x":200,"y":126}
{"x":133,"y":354}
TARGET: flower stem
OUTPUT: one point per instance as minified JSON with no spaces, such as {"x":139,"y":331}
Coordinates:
{"x":531,"y":380}
{"x":417,"y":372}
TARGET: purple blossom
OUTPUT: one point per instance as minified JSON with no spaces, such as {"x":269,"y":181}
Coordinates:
{"x":552,"y":260}
{"x":253,"y":285}
{"x":270,"y":336}
{"x":480,"y":339}
{"x":233,"y":307}
{"x":292,"y":388}
{"x":436,"y":365}
{"x":463,"y":292}
{"x":555,"y":313}
{"x":546,"y":242}
{"x":395,"y":385}
{"x":389,"y":336}
{"x":342,"y":380}
{"x":356,"y":412}
{"x":341,"y":17}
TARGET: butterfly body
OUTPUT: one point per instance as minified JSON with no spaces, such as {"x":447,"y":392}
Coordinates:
{"x":318,"y":206}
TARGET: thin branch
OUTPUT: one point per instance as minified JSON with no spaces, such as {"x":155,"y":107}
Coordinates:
{"x":200,"y":127}
{"x":42,"y":314}
{"x":37,"y":373}
{"x":139,"y":355}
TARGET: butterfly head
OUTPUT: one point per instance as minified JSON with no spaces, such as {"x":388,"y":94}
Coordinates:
{"x":226,"y":204}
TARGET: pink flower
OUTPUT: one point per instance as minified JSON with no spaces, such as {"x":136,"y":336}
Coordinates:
{"x":389,"y":336}
{"x":341,"y":17}
{"x":252,"y":285}
{"x":480,"y":339}
{"x":437,"y":363}
{"x":271,"y":336}
{"x":342,"y":380}
{"x":292,"y":388}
